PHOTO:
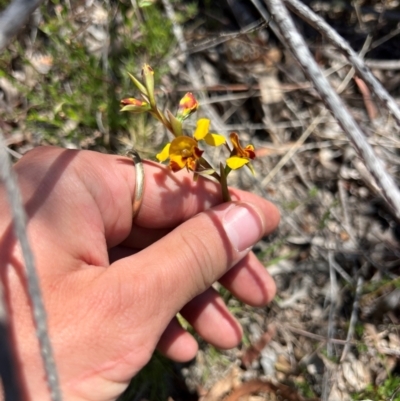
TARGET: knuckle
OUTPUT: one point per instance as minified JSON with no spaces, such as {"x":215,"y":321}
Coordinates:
{"x":203,"y":255}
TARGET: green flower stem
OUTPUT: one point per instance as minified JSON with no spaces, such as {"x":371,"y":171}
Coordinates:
{"x":221,"y":178}
{"x":226,"y":197}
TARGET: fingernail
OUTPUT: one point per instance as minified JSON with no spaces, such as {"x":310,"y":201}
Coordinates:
{"x":243,"y":226}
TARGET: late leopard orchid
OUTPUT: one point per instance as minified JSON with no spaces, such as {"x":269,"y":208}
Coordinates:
{"x":202,"y":133}
{"x":240,"y":156}
{"x":184,"y":151}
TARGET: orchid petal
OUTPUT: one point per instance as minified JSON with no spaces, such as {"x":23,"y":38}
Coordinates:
{"x":177,"y":163}
{"x":203,"y":125}
{"x":181,"y":145}
{"x":214,"y":139}
{"x":236,"y":162}
{"x":164,"y":154}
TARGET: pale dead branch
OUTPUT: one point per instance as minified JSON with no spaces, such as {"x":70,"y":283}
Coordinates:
{"x":32,"y":281}
{"x":389,"y":190}
{"x":362,"y":70}
{"x":14,"y":18}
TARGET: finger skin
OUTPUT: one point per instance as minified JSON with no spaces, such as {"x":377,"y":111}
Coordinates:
{"x":176,"y":343}
{"x":113,"y":315}
{"x":210,"y":317}
{"x":250,"y":282}
{"x":193,"y":256}
{"x":169,"y":198}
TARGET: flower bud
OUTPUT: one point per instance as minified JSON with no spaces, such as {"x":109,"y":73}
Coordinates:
{"x":148,"y":79}
{"x":187,"y":105}
{"x":134,"y":105}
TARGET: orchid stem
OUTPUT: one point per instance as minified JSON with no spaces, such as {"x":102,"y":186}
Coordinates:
{"x":226,"y":196}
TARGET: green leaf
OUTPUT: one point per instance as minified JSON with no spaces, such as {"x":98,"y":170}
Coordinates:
{"x":138,"y":85}
{"x":175,"y":124}
{"x":136,"y":109}
{"x":148,"y":78}
{"x":145,"y":3}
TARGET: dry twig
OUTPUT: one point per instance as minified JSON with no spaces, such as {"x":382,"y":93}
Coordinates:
{"x":353,"y":318}
{"x":37,"y":308}
{"x":389,"y":190}
{"x":368,"y":102}
{"x":317,"y":120}
{"x":362,"y":70}
{"x":14,"y":18}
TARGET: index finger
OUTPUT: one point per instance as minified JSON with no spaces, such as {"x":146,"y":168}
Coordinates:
{"x":171,"y":198}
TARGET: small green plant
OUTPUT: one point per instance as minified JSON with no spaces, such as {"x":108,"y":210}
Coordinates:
{"x":327,"y":215}
{"x":362,"y":348}
{"x":388,"y":390}
{"x":305,"y":389}
{"x":332,"y":358}
{"x":291,"y":205}
{"x":74,"y":101}
{"x":359,"y":329}
{"x":286,"y":256}
{"x":313,"y":192}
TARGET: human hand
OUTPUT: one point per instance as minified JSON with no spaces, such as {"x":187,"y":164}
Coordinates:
{"x":112,"y":288}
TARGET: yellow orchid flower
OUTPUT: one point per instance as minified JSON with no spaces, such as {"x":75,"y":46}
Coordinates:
{"x":164,"y":154}
{"x":182,"y":152}
{"x":240,"y":156}
{"x":202,"y":133}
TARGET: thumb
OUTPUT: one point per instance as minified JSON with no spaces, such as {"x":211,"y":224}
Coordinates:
{"x":186,"y":262}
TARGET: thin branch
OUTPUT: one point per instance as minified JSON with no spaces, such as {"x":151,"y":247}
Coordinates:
{"x":362,"y":70}
{"x":317,"y":337}
{"x":383,"y":64}
{"x":334,"y":293}
{"x":267,"y":17}
{"x":353,"y":318}
{"x":14,"y":18}
{"x":373,"y":64}
{"x":321,"y":116}
{"x":38,"y":310}
{"x":323,"y":339}
{"x":339,"y":269}
{"x":282,"y":162}
{"x":389,"y":190}
{"x":225,"y":37}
